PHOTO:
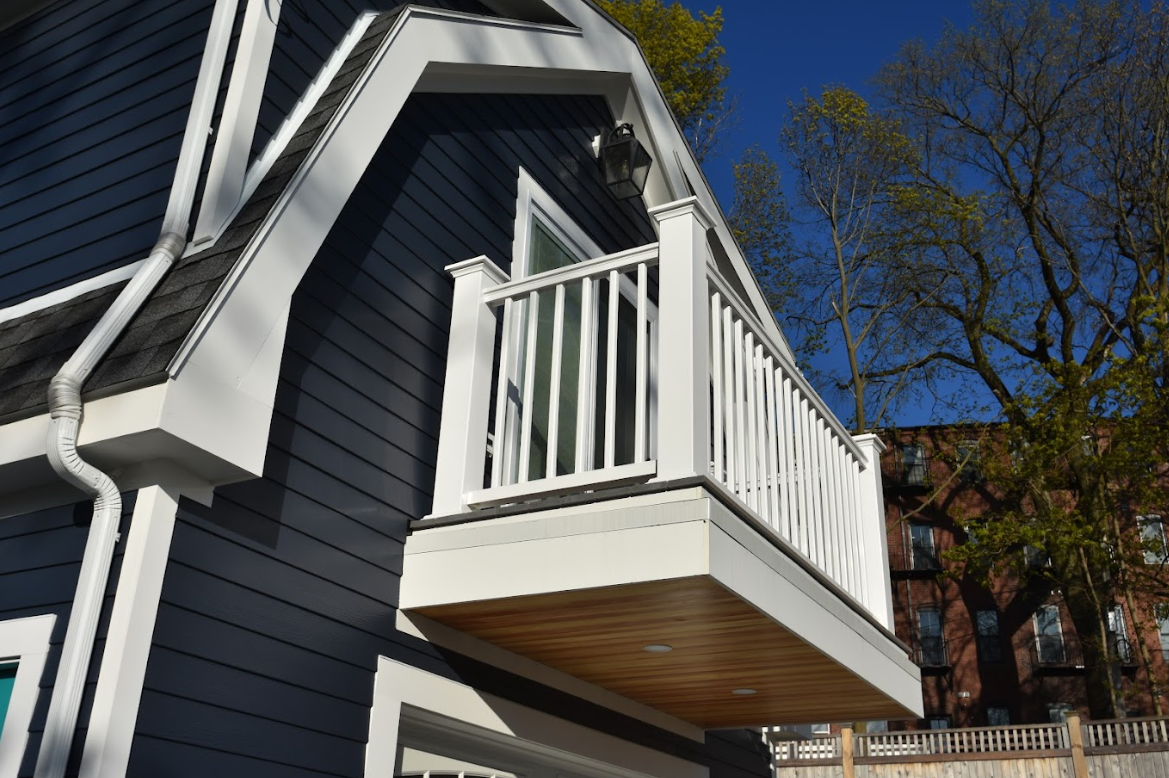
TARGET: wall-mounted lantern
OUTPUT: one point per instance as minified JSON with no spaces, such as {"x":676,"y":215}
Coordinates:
{"x":625,"y":163}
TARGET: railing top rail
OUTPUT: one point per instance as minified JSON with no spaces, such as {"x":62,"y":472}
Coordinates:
{"x":1130,"y":720}
{"x":924,"y":733}
{"x":592,"y":268}
{"x":789,"y":367}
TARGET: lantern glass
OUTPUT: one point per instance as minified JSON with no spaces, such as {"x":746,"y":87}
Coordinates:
{"x":625,"y":163}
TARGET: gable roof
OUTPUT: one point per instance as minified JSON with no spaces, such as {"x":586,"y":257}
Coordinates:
{"x":35,"y":346}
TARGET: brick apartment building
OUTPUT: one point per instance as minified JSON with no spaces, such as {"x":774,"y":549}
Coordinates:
{"x":1004,"y":654}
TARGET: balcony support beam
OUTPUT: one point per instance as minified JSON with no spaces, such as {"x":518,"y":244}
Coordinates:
{"x":683,"y":312}
{"x":462,"y":439}
{"x":874,"y":538}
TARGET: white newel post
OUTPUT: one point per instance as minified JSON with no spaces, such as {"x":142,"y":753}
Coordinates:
{"x":873,"y":532}
{"x":466,"y":400}
{"x":683,"y":331}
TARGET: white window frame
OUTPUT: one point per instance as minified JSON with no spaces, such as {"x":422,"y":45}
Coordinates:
{"x":416,"y":708}
{"x":26,"y":642}
{"x":533,"y":201}
{"x":1149,"y":524}
{"x":931,"y":562}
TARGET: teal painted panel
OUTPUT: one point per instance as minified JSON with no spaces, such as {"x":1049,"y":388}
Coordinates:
{"x":7,"y":681}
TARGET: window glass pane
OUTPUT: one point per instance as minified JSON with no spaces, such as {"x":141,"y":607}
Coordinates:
{"x":1049,"y":635}
{"x":913,"y":464}
{"x":998,"y":717}
{"x":987,"y":626}
{"x":548,"y":252}
{"x":939,"y":722}
{"x":922,"y":540}
{"x":7,"y":681}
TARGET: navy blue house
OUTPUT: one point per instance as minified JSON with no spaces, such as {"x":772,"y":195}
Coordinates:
{"x":351,"y":425}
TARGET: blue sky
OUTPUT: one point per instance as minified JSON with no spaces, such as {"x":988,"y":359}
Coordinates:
{"x":777,"y":49}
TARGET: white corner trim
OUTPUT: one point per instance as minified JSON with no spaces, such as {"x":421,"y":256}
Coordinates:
{"x":237,"y":123}
{"x":65,"y":294}
{"x":468,"y":645}
{"x":408,"y":700}
{"x":128,"y":638}
{"x":26,"y":641}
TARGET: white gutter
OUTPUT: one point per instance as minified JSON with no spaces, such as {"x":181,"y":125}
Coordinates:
{"x":65,"y":408}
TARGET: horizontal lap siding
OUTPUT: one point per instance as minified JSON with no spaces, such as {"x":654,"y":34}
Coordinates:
{"x":40,"y":556}
{"x":279,"y":598}
{"x":94,"y":98}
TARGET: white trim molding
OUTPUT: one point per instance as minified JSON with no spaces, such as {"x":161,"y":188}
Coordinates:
{"x":71,"y":292}
{"x":26,"y":641}
{"x":128,"y":638}
{"x":412,"y":706}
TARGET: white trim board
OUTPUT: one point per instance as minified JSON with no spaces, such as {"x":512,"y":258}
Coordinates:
{"x":73,"y":291}
{"x":128,"y":637}
{"x":423,"y":709}
{"x":27,"y":641}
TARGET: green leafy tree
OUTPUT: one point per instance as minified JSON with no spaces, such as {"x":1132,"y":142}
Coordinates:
{"x":685,"y":56}
{"x":759,"y":221}
{"x":848,"y":160}
{"x":1035,"y":233}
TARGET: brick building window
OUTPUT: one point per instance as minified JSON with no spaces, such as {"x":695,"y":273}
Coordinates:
{"x":990,"y":647}
{"x":938,"y":722}
{"x":1152,"y":538}
{"x":930,"y":639}
{"x":914,"y":467}
{"x":969,"y":461}
{"x":921,"y":541}
{"x":1049,"y":645}
{"x":1163,"y":627}
{"x":998,"y":716}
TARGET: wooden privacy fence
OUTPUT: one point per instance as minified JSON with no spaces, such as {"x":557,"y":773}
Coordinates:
{"x":1137,"y":747}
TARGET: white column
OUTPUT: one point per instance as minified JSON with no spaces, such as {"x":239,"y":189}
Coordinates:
{"x":466,"y":399}
{"x":872,"y":530}
{"x":683,"y":312}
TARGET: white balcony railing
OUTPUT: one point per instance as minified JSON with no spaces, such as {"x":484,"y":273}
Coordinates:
{"x":646,"y":365}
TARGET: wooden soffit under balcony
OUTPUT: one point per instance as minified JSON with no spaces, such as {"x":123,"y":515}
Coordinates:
{"x":720,"y":644}
{"x":584,"y":589}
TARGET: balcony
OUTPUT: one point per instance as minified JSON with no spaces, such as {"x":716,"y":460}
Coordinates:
{"x":637,"y":487}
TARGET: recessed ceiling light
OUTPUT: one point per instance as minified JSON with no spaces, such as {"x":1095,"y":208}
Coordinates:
{"x":743,"y":691}
{"x":658,"y":648}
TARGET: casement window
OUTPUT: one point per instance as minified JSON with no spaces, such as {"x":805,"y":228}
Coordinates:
{"x":547,"y":238}
{"x":998,"y":716}
{"x":1049,"y":644}
{"x":931,"y":640}
{"x":1152,"y":538}
{"x":914,"y":468}
{"x":1163,"y":629}
{"x":990,"y":647}
{"x":938,"y":722}
{"x":1119,"y":649}
{"x":923,"y":554}
{"x":969,"y":461}
{"x":24,"y":645}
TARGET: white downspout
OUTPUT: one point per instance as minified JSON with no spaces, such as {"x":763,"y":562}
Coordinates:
{"x":66,"y":412}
